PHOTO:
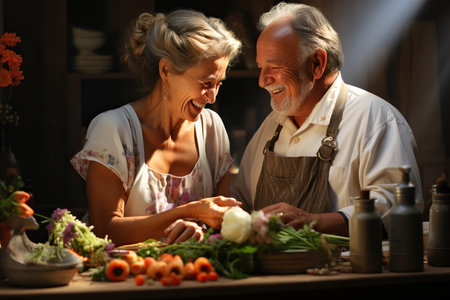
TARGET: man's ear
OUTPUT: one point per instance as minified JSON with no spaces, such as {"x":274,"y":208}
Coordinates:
{"x":318,"y":63}
{"x":164,"y":67}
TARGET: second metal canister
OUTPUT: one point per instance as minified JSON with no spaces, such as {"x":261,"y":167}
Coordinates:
{"x":405,"y":228}
{"x":365,"y":236}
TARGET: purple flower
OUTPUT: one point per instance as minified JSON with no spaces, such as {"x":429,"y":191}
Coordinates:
{"x":67,"y":234}
{"x":50,"y":226}
{"x":58,"y":214}
{"x":109,"y":248}
{"x":214,"y":237}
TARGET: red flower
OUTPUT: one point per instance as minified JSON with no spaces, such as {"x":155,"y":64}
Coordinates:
{"x":10,"y":61}
{"x":9,"y":39}
{"x":5,"y":78}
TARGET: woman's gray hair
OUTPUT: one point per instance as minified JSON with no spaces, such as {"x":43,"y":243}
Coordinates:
{"x":184,"y":37}
{"x":313,"y":29}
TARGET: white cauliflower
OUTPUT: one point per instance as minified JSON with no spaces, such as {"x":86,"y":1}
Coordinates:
{"x":236,"y":225}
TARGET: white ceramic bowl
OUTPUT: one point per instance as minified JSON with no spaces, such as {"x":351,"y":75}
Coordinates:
{"x":86,"y":33}
{"x":87,"y":45}
{"x":16,"y":269}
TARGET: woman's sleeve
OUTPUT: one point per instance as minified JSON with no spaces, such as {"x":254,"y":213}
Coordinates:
{"x":109,"y":142}
{"x":217,"y":146}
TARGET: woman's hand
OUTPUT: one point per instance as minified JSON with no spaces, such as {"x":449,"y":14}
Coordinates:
{"x":182,"y":230}
{"x":210,"y":210}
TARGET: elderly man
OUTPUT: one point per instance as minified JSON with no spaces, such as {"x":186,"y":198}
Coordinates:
{"x":325,"y":140}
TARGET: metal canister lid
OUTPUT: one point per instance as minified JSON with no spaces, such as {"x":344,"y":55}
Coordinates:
{"x":404,"y":192}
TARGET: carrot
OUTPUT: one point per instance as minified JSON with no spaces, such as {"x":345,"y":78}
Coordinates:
{"x":117,"y":270}
{"x":83,"y":258}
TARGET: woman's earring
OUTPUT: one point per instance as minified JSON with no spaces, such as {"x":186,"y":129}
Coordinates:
{"x":164,"y":93}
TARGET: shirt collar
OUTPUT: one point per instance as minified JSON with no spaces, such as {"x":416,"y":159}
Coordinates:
{"x":323,"y":110}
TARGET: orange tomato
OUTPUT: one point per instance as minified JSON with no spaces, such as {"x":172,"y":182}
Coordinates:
{"x":171,"y":279}
{"x":137,"y":266}
{"x":202,"y":277}
{"x":166,"y":257}
{"x":117,"y":270}
{"x":148,"y":261}
{"x":213,"y":276}
{"x":130,"y":257}
{"x":140,"y":279}
{"x":157,"y":270}
{"x":176,"y":266}
{"x":189,"y":270}
{"x":202,"y":264}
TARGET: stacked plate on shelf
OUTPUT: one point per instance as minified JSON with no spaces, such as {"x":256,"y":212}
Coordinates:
{"x":93,"y":63}
{"x":87,"y":61}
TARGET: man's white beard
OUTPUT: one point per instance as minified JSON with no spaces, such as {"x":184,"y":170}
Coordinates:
{"x":290,"y":106}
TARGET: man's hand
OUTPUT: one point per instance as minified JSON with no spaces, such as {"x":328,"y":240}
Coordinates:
{"x":290,"y":215}
{"x":331,"y":222}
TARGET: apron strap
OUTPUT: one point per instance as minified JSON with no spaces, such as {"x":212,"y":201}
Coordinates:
{"x":329,"y":143}
{"x":271,"y":143}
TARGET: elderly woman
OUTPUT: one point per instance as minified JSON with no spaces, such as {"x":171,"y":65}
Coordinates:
{"x":158,"y":166}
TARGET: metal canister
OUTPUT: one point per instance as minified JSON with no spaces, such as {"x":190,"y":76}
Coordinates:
{"x":405,"y":228}
{"x":365,"y":236}
{"x":438,"y":243}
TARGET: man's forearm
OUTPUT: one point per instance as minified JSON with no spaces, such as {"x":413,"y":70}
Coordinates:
{"x":333,"y":223}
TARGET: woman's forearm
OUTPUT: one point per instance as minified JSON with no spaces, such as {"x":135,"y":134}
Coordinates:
{"x":129,"y":230}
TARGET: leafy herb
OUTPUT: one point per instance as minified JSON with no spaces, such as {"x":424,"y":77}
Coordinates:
{"x":66,"y":231}
{"x":46,"y":253}
{"x":238,"y":260}
{"x":99,"y":274}
{"x":228,"y":258}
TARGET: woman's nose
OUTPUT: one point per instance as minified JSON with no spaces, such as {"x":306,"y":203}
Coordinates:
{"x":211,"y":95}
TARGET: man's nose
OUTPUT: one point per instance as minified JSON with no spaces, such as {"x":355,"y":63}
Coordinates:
{"x":265,"y":78}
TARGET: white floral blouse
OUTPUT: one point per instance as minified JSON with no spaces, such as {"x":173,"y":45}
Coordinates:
{"x":114,"y":139}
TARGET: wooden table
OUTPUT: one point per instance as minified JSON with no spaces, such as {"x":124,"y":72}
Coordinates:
{"x":341,"y":286}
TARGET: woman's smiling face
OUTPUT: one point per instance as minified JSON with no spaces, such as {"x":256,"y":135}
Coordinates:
{"x":191,"y":90}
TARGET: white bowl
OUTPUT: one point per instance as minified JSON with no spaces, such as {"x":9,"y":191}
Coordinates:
{"x":16,"y":268}
{"x":81,"y":32}
{"x":87,"y":45}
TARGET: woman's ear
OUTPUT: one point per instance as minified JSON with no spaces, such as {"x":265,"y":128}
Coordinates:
{"x":164,"y":67}
{"x":319,"y":63}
